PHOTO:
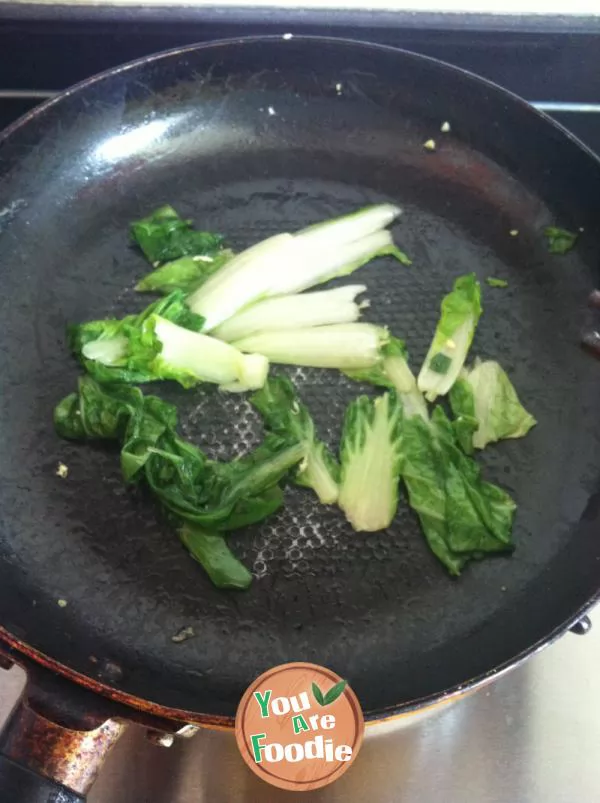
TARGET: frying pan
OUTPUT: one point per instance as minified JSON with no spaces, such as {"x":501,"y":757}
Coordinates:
{"x":249,"y":138}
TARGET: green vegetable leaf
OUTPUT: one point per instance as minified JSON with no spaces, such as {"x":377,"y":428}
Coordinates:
{"x":493,"y":282}
{"x":218,"y":561}
{"x":560,"y":241}
{"x":186,"y":273}
{"x":96,"y":411}
{"x":485,"y":400}
{"x":460,"y":313}
{"x":318,"y":694}
{"x":286,"y":416}
{"x":440,"y":363}
{"x":371,"y":459}
{"x":463,"y":517}
{"x":164,"y":236}
{"x":207,"y":495}
{"x":463,"y":406}
{"x":334,"y":692}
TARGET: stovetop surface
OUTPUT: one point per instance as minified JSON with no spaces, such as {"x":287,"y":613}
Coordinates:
{"x":534,"y":735}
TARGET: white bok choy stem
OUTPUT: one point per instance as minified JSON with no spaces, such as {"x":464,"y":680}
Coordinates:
{"x":295,"y":312}
{"x":371,"y":453}
{"x":349,"y":228}
{"x":344,"y":346}
{"x":206,"y":359}
{"x":290,"y":263}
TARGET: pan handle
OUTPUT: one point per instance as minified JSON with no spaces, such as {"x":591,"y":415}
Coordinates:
{"x":20,"y":785}
{"x":44,"y":762}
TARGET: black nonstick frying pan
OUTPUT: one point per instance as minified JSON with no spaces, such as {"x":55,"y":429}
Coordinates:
{"x":249,"y":138}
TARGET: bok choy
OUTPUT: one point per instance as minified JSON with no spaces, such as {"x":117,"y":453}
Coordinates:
{"x":371,"y":458}
{"x":460,"y":313}
{"x":296,"y":311}
{"x":462,"y":516}
{"x":487,"y":407}
{"x":185,"y":273}
{"x":392,"y":371}
{"x":285,"y":416}
{"x":288,"y":263}
{"x":206,"y":496}
{"x":164,"y":342}
{"x":349,"y":346}
{"x":164,"y":236}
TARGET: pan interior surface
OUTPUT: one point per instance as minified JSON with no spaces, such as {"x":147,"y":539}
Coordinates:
{"x":251,"y":139}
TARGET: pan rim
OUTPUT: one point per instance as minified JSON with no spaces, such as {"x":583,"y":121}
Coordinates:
{"x":272,"y":38}
{"x":375,"y":715}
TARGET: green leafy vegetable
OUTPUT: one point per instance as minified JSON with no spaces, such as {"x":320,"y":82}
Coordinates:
{"x":298,"y":311}
{"x":440,"y":363}
{"x":560,"y":241}
{"x":207,"y":495}
{"x":186,"y":273}
{"x":218,"y":561}
{"x":484,"y":400}
{"x":164,"y":342}
{"x":286,"y":416}
{"x":371,"y":459}
{"x":462,"y":516}
{"x":289,"y":263}
{"x":350,"y":346}
{"x":164,"y":236}
{"x":493,"y":282}
{"x":459,"y":316}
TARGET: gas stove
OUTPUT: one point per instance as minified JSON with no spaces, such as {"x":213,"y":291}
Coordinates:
{"x":533,"y":735}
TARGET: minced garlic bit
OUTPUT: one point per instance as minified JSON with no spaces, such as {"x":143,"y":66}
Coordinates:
{"x":445,"y":128}
{"x":62,"y":603}
{"x":514,"y":232}
{"x":429,"y":145}
{"x":62,"y":471}
{"x":183,"y":635}
{"x":338,"y":89}
{"x":450,"y":344}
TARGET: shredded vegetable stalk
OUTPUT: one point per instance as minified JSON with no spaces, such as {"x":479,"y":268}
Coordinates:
{"x":393,"y":372}
{"x":295,"y":312}
{"x":343,"y":346}
{"x":289,"y":263}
